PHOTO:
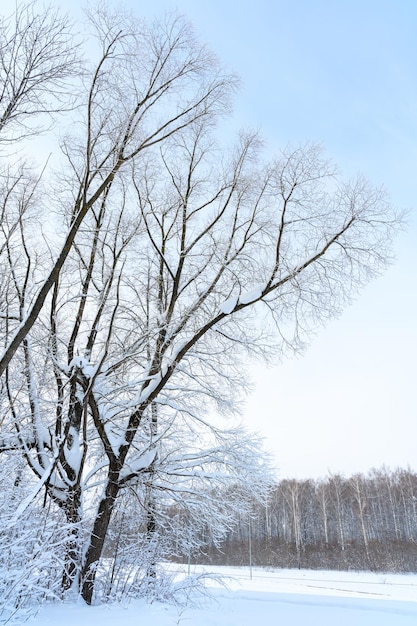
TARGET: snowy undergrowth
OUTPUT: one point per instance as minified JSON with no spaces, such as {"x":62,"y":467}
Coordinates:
{"x":30,"y":568}
{"x":29,"y":580}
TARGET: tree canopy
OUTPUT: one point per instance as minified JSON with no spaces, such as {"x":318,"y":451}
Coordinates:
{"x":175,"y":259}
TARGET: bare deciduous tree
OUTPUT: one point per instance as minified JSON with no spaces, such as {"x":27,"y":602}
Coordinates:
{"x":181,"y":260}
{"x":37,"y":60}
{"x":148,"y":83}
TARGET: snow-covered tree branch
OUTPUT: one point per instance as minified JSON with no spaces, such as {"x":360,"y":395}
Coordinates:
{"x":125,"y":338}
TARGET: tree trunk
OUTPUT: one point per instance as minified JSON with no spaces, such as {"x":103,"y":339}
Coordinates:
{"x":72,"y":554}
{"x":151,"y":535}
{"x":98,"y":536}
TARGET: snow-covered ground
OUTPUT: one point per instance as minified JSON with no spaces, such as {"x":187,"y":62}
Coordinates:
{"x":285,"y":597}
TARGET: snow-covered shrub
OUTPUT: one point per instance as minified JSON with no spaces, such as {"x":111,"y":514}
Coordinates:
{"x":31,"y":547}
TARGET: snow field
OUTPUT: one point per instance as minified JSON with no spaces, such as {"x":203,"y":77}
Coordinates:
{"x":284,"y":597}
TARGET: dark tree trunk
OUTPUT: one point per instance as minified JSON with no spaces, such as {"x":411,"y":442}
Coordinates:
{"x":151,"y":535}
{"x":98,"y":536}
{"x":72,"y":554}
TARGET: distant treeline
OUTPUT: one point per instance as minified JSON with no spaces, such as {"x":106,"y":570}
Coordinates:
{"x":362,"y":522}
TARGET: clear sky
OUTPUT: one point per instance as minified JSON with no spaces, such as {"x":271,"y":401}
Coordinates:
{"x":343,"y":73}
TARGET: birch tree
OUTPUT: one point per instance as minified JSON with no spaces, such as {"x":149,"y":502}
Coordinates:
{"x":182,"y":260}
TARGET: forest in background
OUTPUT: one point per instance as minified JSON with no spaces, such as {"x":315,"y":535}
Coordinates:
{"x":364,"y":522}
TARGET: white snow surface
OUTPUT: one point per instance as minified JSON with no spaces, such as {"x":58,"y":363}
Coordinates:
{"x":245,"y":298}
{"x":228,"y":305}
{"x":251,"y":295}
{"x":287,"y":597}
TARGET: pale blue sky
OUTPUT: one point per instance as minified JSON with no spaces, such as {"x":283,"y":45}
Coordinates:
{"x":343,"y":73}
